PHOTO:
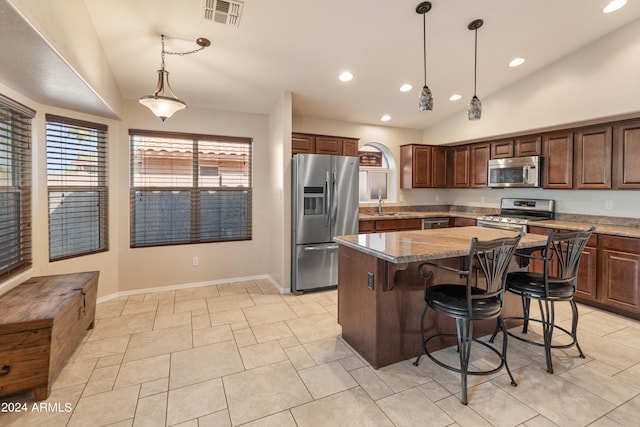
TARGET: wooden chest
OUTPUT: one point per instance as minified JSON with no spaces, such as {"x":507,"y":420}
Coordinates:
{"x":41,"y":323}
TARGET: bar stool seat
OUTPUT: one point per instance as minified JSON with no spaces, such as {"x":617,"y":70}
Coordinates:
{"x":480,"y":298}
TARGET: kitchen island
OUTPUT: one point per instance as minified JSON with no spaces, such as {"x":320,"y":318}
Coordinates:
{"x":381,"y":296}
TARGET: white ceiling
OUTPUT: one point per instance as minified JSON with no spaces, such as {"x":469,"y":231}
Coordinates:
{"x":302,"y":45}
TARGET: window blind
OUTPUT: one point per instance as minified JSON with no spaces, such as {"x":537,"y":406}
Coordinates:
{"x":77,"y":187}
{"x":15,"y":187}
{"x":188,"y":188}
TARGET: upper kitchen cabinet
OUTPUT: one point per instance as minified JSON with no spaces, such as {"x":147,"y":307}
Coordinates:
{"x":592,"y":163}
{"x":529,"y":145}
{"x":329,"y":145}
{"x":303,"y":143}
{"x":558,"y":160}
{"x":626,"y":155}
{"x":459,"y":172}
{"x":322,"y":144}
{"x":423,"y":166}
{"x":502,"y":149}
{"x":479,"y":155}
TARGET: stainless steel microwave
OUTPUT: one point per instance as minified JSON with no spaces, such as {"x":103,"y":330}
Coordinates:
{"x":515,"y":172}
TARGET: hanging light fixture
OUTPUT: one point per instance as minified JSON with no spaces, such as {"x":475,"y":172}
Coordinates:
{"x":475,"y":106}
{"x":164,"y":103}
{"x":425,"y":102}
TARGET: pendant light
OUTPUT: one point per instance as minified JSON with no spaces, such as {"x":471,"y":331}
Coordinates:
{"x":425,"y":102}
{"x":164,"y":103}
{"x":475,"y":106}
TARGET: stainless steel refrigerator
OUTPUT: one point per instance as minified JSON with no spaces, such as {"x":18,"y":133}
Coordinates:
{"x":324,"y":205}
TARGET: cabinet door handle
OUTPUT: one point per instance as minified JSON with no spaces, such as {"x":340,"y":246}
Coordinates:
{"x":4,"y":371}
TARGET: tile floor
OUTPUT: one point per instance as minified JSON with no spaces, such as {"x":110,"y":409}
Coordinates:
{"x":241,"y":354}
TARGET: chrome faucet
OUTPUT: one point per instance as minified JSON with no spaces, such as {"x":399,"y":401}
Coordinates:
{"x":380,"y":202}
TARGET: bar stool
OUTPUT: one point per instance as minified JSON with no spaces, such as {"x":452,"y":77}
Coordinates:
{"x":479,"y":298}
{"x":562,"y":253}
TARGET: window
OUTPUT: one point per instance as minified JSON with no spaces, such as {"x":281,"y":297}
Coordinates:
{"x":77,"y":187}
{"x":188,"y":188}
{"x":15,"y":187}
{"x":376,"y":172}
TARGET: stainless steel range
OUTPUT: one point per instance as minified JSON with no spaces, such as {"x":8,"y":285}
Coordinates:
{"x":515,"y":214}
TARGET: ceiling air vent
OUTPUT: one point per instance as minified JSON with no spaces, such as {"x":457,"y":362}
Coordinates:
{"x":223,"y":11}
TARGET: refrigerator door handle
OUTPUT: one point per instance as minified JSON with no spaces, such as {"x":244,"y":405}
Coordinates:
{"x":334,"y":197}
{"x":327,"y":200}
{"x":320,"y":248}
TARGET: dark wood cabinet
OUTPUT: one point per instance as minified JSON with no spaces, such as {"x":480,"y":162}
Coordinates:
{"x":529,"y":145}
{"x":349,"y":147}
{"x":619,"y":277}
{"x":592,"y":164}
{"x":462,"y":222}
{"x":558,"y":160}
{"x":366,"y":226}
{"x":459,"y":171}
{"x":303,"y":143}
{"x":502,"y":149}
{"x":626,"y":155}
{"x":423,"y":166}
{"x":415,"y":164}
{"x":588,"y":271}
{"x":479,"y":155}
{"x":329,"y":145}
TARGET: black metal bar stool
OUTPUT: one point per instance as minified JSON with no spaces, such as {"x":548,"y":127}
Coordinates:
{"x":562,"y":254}
{"x":480,"y":298}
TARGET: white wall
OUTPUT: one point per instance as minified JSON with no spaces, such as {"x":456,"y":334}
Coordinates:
{"x":596,"y":82}
{"x":105,"y":262}
{"x":391,"y":137}
{"x":142,"y":268}
{"x":279,"y":207}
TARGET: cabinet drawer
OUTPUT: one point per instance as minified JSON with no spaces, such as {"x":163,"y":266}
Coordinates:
{"x":625,"y":244}
{"x":366,"y":226}
{"x":398,"y":224}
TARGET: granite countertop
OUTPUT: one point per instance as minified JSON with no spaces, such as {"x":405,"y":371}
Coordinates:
{"x":614,"y":230}
{"x":416,"y":214}
{"x":422,"y":245}
{"x":610,"y":229}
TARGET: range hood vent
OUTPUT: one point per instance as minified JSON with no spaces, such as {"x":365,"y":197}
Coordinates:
{"x":223,"y":11}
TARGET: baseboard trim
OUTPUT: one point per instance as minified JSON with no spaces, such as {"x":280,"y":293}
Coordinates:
{"x":192,"y":285}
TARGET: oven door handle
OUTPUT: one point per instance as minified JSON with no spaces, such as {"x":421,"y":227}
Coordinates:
{"x":501,"y":227}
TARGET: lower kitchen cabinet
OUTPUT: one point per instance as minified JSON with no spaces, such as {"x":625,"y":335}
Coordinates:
{"x":609,"y":274}
{"x":619,"y":278}
{"x":463,"y":222}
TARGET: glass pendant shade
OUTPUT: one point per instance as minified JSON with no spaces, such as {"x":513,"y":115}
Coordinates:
{"x":426,"y":100}
{"x":161,"y":105}
{"x":475,"y":108}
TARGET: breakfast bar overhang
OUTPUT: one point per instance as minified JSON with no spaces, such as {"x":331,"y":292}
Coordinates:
{"x":381,"y":296}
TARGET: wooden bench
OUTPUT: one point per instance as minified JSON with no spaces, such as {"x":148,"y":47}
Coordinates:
{"x":41,"y":323}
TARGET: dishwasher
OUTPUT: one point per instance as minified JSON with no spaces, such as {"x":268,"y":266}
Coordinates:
{"x":429,"y":223}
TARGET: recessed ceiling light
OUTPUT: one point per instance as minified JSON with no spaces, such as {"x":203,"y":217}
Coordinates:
{"x":515,"y":62}
{"x":406,"y":87}
{"x":613,"y":6}
{"x":455,"y":97}
{"x":385,"y":118}
{"x":345,"y":76}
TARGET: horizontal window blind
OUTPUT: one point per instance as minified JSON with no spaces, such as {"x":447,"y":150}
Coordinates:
{"x":15,"y":187}
{"x":188,"y":188}
{"x":77,"y":187}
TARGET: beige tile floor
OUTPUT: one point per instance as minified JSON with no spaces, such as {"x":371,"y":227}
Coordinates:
{"x":241,"y":354}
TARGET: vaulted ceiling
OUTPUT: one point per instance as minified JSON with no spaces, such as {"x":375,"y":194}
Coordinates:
{"x":302,"y":46}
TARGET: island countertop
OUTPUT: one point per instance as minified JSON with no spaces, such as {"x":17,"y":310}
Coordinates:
{"x":422,"y":245}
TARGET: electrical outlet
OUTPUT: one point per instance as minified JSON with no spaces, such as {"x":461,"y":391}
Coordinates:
{"x":370,"y":280}
{"x":608,"y":204}
{"x":401,"y":198}
{"x":482,"y":199}
{"x":195,"y":261}
{"x":437,"y":197}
